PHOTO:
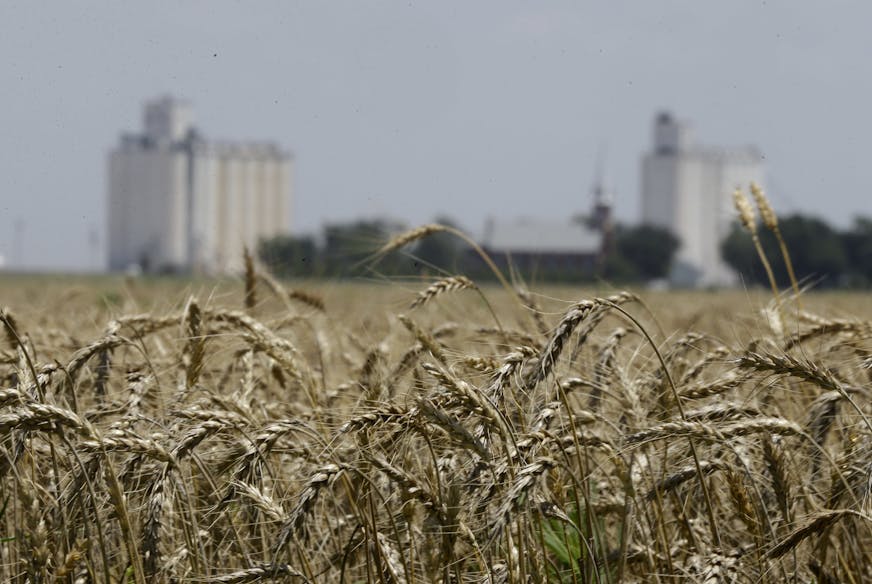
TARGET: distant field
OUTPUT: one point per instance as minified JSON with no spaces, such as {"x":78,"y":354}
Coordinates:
{"x":51,"y":296}
{"x":229,"y":431}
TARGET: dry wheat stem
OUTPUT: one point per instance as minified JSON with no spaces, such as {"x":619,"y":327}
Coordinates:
{"x":442,"y":286}
{"x":308,"y":298}
{"x":259,"y":573}
{"x":749,"y":222}
{"x":818,"y":524}
{"x":188,"y":437}
{"x":719,"y":432}
{"x":770,"y":219}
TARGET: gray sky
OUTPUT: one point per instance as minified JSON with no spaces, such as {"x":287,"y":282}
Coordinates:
{"x":413,"y":109}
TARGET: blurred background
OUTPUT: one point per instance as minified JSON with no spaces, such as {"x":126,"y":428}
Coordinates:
{"x":512,"y":120}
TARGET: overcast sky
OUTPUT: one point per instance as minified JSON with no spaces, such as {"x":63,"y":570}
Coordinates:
{"x":415,"y":109}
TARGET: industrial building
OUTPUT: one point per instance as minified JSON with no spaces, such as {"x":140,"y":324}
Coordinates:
{"x":686,"y":188}
{"x":180,"y":202}
{"x":568,"y":249}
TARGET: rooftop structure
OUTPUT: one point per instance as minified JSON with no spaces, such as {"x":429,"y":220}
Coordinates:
{"x":555,"y":249}
{"x":525,"y":235}
{"x":179,"y":202}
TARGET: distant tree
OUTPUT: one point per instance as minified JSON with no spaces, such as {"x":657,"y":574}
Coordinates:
{"x":286,"y":255}
{"x":347,"y":246}
{"x":816,"y":249}
{"x":649,"y":250}
{"x":857,"y":243}
{"x":441,"y":250}
{"x":619,"y":269}
{"x":738,"y":251}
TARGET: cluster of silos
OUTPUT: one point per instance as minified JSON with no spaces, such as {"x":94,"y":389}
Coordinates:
{"x":182,"y":203}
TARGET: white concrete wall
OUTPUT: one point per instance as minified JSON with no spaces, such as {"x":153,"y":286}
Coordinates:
{"x":252,"y":198}
{"x":224,"y":214}
{"x":117,"y":213}
{"x":248,"y":201}
{"x":147,"y":208}
{"x":191,"y":208}
{"x":659,"y":178}
{"x":205,"y":204}
{"x":690,"y":196}
{"x":175,"y":241}
{"x":689,"y":192}
{"x":283,"y":196}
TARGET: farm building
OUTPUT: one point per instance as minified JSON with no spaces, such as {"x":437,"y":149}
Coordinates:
{"x":568,"y":249}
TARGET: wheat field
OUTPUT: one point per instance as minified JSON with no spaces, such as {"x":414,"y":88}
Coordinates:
{"x":430,"y":431}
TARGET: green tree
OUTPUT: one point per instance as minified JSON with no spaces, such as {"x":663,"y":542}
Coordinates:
{"x":442,"y":250}
{"x":817,"y":251}
{"x":740,"y":254}
{"x":619,"y":269}
{"x":857,"y":243}
{"x":647,"y":249}
{"x":286,"y":255}
{"x":348,"y":246}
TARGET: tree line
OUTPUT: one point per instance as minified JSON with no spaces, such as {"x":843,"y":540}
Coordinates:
{"x":634,"y":253}
{"x":822,"y":255}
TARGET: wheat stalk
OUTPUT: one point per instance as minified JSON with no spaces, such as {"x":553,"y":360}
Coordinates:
{"x":770,"y":220}
{"x":749,"y":222}
{"x":442,"y":286}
